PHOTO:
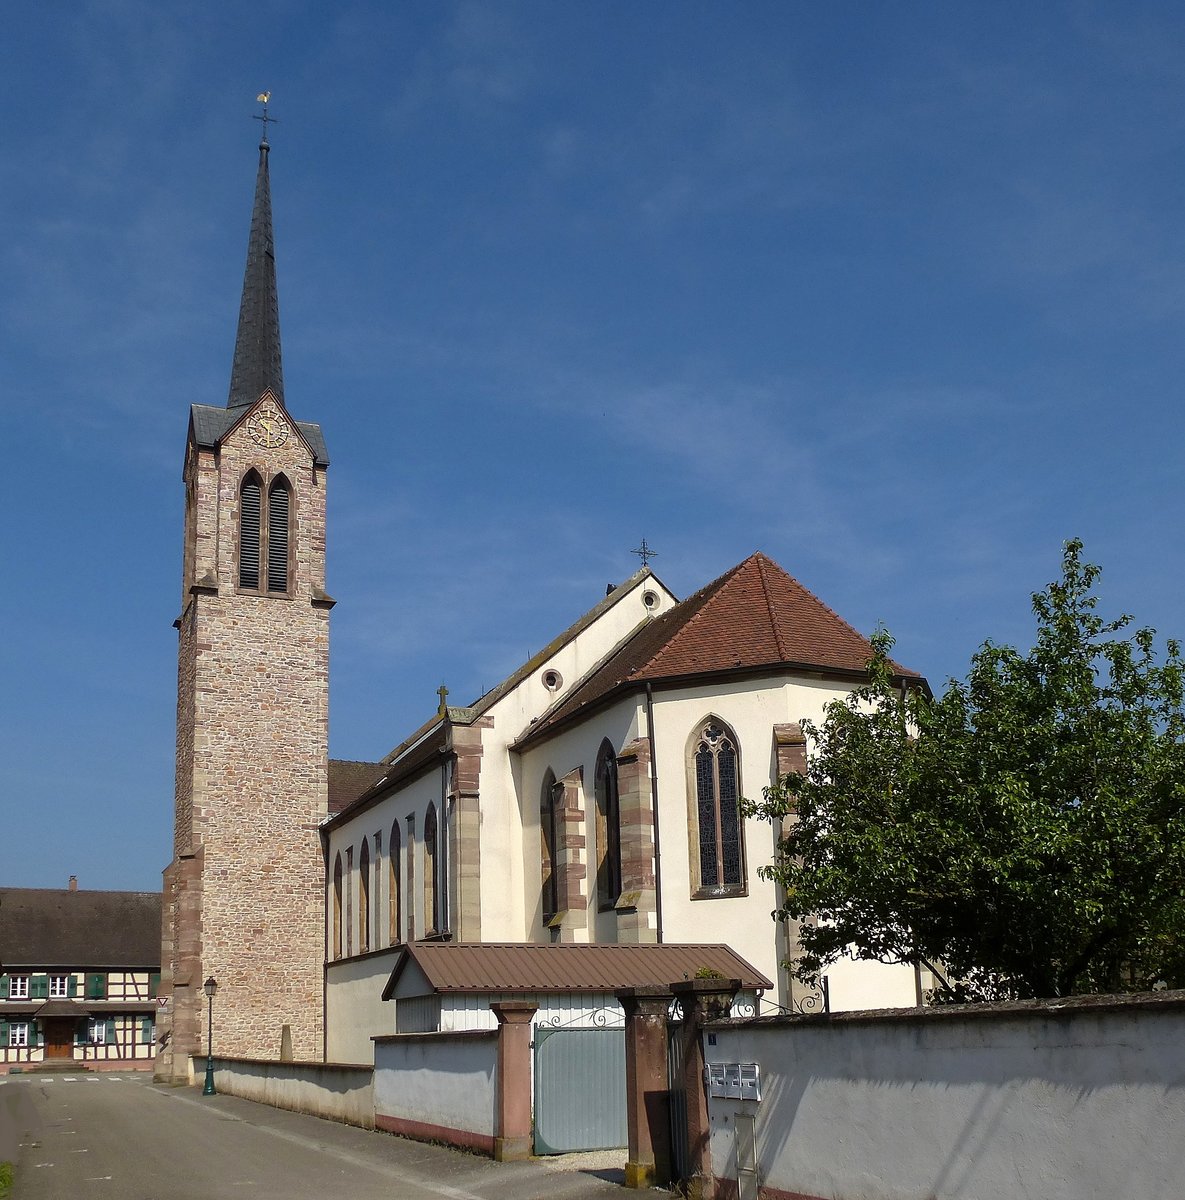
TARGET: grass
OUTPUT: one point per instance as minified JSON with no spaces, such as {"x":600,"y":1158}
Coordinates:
{"x":5,"y":1180}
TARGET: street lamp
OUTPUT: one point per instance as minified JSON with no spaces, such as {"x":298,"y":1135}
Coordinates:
{"x":209,"y":987}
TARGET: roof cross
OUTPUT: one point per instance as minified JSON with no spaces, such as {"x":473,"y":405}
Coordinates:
{"x":442,"y":692}
{"x":645,"y":553}
{"x":263,"y":98}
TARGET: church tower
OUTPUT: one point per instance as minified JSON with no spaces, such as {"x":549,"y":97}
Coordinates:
{"x":243,"y":895}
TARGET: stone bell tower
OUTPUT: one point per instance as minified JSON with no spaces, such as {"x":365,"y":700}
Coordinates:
{"x":243,"y":896}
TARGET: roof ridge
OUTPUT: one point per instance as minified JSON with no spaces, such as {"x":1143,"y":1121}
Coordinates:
{"x":821,"y":603}
{"x":775,"y":625}
{"x":716,"y":586}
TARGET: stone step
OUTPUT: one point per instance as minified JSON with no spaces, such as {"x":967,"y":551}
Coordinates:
{"x":51,"y":1066}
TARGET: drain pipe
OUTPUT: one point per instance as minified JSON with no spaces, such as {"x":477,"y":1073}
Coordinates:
{"x":654,"y":809}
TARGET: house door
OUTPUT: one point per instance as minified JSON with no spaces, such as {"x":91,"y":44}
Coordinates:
{"x":59,"y":1037}
{"x":579,"y":1090}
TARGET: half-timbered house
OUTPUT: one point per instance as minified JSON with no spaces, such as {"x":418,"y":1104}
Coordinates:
{"x":79,"y":972}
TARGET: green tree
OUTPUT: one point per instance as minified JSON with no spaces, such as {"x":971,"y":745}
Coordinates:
{"x":1026,"y":830}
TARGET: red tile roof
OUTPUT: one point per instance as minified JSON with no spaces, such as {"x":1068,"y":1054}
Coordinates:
{"x":348,"y":780}
{"x":518,"y":967}
{"x":753,"y":616}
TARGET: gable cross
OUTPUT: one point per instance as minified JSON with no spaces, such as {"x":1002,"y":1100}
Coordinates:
{"x":645,"y":553}
{"x":442,"y":692}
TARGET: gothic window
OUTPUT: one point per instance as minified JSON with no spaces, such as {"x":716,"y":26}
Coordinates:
{"x":718,"y":850}
{"x":349,"y":934}
{"x":337,"y":907}
{"x":410,"y":893}
{"x":547,"y":857}
{"x":608,"y":828}
{"x":364,"y":897}
{"x":431,"y":910}
{"x":279,"y":504}
{"x":250,"y":530}
{"x":264,"y":534}
{"x":393,"y":854}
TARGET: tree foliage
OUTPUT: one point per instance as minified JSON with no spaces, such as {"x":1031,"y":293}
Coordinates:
{"x":1026,"y":829}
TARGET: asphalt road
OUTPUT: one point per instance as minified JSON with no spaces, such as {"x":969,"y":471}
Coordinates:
{"x":121,"y":1137}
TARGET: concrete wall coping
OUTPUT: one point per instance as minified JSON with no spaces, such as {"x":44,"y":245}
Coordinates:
{"x":297,"y":1064}
{"x":436,"y":1035}
{"x":1067,"y":1006}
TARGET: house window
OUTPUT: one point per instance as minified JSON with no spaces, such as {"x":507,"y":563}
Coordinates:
{"x":96,"y":1031}
{"x":337,"y":907}
{"x":364,"y":896}
{"x":18,"y":987}
{"x":547,"y":861}
{"x":265,"y":534}
{"x":431,"y":909}
{"x":18,"y":1034}
{"x":394,"y":850}
{"x":608,"y":828}
{"x":718,"y":852}
{"x":59,"y":987}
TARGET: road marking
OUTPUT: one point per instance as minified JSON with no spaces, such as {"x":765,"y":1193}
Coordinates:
{"x":79,"y":1151}
{"x":43,"y":1164}
{"x":96,"y":1178}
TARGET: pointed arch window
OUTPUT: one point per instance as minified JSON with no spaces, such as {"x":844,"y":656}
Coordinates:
{"x":608,"y":828}
{"x":364,"y":897}
{"x":337,"y":907}
{"x":718,"y":847}
{"x":279,"y":506}
{"x":250,"y":530}
{"x":547,"y":858}
{"x":265,"y":535}
{"x":431,"y":906}
{"x":394,"y":851}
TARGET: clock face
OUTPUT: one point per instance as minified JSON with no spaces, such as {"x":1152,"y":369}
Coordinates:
{"x":267,"y":427}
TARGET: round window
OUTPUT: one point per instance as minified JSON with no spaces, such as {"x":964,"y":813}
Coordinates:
{"x":553,"y":680}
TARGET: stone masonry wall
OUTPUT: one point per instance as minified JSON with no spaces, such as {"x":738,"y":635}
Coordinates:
{"x":253,"y":686}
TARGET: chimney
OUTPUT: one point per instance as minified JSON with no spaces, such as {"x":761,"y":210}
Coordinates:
{"x":74,"y":883}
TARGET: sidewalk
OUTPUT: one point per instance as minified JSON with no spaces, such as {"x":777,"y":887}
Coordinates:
{"x":451,"y":1173}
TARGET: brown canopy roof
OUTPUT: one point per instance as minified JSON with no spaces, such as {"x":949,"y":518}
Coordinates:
{"x":754,"y":616}
{"x":517,"y":967}
{"x":55,"y":927}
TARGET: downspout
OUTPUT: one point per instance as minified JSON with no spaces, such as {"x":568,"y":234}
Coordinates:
{"x":324,"y":944}
{"x":445,"y":846}
{"x":654,"y":809}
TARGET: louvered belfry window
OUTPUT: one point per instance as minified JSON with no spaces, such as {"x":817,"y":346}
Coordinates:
{"x":277,"y":536}
{"x":249,"y":532}
{"x":717,"y":811}
{"x":264,"y":535}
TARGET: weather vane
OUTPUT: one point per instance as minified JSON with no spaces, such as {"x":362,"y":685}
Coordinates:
{"x":645,"y":553}
{"x":263,"y":98}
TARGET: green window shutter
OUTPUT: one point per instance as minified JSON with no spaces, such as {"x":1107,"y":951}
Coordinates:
{"x":146,"y":1031}
{"x":153,"y":984}
{"x":80,"y":1032}
{"x":96,"y":986}
{"x":3,"y":987}
{"x":3,"y":1033}
{"x":36,"y":1036}
{"x":71,"y":985}
{"x":39,"y":987}
{"x":110,"y":1035}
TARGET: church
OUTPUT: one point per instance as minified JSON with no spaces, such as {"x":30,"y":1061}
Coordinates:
{"x":589,"y":799}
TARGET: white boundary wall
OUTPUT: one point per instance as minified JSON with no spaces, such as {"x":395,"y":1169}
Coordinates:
{"x":1081,"y":1100}
{"x":438,"y":1085}
{"x":339,"y":1091}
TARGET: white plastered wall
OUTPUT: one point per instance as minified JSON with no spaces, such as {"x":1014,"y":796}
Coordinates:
{"x":509,"y":801}
{"x":751,"y":708}
{"x":354,"y":1006}
{"x":576,"y":746}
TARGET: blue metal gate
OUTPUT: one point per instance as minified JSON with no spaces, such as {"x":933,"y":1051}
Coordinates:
{"x":579,"y":1090}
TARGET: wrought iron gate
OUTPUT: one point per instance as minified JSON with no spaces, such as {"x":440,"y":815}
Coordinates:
{"x":579,"y":1090}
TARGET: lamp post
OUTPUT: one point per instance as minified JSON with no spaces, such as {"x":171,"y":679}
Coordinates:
{"x":209,"y":987}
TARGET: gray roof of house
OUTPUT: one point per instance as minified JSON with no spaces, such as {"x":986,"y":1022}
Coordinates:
{"x":54,"y":927}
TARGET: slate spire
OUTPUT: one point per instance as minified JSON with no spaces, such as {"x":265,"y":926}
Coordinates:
{"x":257,"y":364}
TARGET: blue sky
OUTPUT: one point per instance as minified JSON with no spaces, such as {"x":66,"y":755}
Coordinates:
{"x":893,"y":292}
